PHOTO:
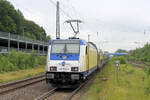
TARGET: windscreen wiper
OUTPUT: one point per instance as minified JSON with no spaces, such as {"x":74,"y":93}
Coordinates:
{"x":65,"y":48}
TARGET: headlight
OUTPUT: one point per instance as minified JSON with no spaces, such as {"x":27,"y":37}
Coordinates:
{"x":53,"y":69}
{"x":74,"y":69}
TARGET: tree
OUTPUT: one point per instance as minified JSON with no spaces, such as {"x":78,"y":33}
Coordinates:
{"x":141,"y":54}
{"x":13,"y":21}
{"x":121,"y":51}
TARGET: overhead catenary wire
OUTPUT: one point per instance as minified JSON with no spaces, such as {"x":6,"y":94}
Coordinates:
{"x":63,"y":11}
{"x":72,"y":14}
{"x":77,"y":13}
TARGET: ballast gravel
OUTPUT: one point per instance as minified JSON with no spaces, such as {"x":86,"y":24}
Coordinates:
{"x":27,"y":93}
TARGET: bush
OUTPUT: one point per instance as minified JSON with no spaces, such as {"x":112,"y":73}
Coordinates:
{"x":17,"y":61}
{"x":140,"y":54}
{"x":121,"y":59}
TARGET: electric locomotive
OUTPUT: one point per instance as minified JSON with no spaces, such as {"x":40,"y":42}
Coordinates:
{"x":70,"y":61}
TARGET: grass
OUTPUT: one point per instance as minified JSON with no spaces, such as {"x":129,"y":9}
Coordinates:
{"x":12,"y":76}
{"x":131,"y":84}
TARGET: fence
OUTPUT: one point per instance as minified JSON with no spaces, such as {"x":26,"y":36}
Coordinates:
{"x":25,"y":40}
{"x":4,"y":50}
{"x":5,"y":35}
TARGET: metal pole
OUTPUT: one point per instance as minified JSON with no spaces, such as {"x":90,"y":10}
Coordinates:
{"x":77,"y":27}
{"x":43,"y":49}
{"x":38,"y":48}
{"x":8,"y":43}
{"x":88,"y":37}
{"x":23,"y":31}
{"x":18,"y":43}
{"x":32,"y":46}
{"x":57,"y":22}
{"x":26,"y":47}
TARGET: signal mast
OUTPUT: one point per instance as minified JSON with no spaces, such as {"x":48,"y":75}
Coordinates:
{"x":76,"y":31}
{"x":57,"y":22}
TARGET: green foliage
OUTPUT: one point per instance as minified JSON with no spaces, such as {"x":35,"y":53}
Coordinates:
{"x":18,"y":61}
{"x":147,"y":71}
{"x":147,"y":88}
{"x":127,"y":70}
{"x":121,"y":51}
{"x":130,"y":85}
{"x":13,"y":21}
{"x":140,"y":54}
{"x":120,"y":58}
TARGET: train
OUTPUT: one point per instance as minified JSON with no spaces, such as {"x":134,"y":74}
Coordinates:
{"x":71,"y":61}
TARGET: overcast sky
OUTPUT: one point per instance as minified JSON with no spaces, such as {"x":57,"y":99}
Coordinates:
{"x":120,"y":23}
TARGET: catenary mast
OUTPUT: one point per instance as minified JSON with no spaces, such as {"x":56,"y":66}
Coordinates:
{"x":57,"y":22}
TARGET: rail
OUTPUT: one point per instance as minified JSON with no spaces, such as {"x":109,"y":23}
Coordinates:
{"x":139,"y":64}
{"x":45,"y":95}
{"x":11,"y":86}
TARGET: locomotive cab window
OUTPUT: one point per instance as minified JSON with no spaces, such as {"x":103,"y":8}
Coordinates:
{"x":65,"y":47}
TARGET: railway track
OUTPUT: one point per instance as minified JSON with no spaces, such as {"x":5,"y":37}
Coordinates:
{"x":11,"y":86}
{"x":74,"y":92}
{"x":45,"y":95}
{"x":139,"y":64}
{"x":57,"y":94}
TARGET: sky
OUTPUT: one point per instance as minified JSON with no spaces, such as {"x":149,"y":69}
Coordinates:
{"x":111,"y":24}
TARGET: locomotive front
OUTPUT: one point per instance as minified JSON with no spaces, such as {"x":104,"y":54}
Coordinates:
{"x":64,"y":61}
